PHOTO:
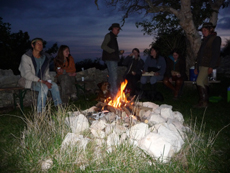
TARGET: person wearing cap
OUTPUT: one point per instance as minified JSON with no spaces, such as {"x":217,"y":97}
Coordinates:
{"x":34,"y":68}
{"x":111,"y":54}
{"x":208,"y":58}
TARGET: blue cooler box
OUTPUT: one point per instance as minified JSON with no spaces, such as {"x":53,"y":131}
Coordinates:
{"x":192,"y":76}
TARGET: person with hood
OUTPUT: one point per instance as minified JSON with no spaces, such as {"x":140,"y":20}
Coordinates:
{"x":208,"y":58}
{"x":34,"y":68}
{"x":111,"y":57}
{"x":175,"y":71}
{"x":66,"y":72}
{"x":135,"y":65}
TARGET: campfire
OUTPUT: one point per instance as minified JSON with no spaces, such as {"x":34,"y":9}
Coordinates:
{"x":126,"y":109}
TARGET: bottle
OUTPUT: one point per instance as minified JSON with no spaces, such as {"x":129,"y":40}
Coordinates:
{"x":228,"y":94}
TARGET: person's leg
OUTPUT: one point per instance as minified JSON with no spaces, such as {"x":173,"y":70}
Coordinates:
{"x":154,"y":79}
{"x":201,"y":81}
{"x":42,"y":95}
{"x":112,"y":70}
{"x":178,"y":84}
{"x":168,"y":84}
{"x":55,"y":94}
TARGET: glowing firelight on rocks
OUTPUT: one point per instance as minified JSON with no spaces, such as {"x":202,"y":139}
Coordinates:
{"x":120,"y":97}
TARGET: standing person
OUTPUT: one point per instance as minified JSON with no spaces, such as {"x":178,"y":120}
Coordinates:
{"x":208,"y":58}
{"x":66,"y":72}
{"x":156,"y":63}
{"x":175,"y":71}
{"x":135,"y":65}
{"x":111,"y":55}
{"x":34,"y":67}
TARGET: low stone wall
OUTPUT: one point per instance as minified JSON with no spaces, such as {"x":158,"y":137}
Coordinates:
{"x":92,"y":77}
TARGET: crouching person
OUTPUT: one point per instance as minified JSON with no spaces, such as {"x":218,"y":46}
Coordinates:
{"x":34,"y":68}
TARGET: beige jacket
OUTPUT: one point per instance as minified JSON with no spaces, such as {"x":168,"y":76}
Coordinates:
{"x":27,"y":70}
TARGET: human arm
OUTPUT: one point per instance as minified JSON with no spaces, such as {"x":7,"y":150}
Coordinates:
{"x":105,"y":43}
{"x":215,"y":52}
{"x":162,"y":64}
{"x":27,"y":70}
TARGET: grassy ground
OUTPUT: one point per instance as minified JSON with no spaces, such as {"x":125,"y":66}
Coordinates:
{"x":213,"y":122}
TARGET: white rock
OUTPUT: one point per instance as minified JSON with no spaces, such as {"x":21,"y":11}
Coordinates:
{"x":98,"y":125}
{"x":47,"y":164}
{"x":98,"y":133}
{"x":178,"y":116}
{"x":150,"y":105}
{"x":118,"y":129}
{"x":171,"y":136}
{"x":123,"y":138}
{"x":73,"y":140}
{"x":165,"y":106}
{"x":112,"y":140}
{"x":146,"y":115}
{"x":157,"y":110}
{"x":167,"y":113}
{"x":153,"y":129}
{"x":156,"y":146}
{"x":138,"y":131}
{"x":178,"y":125}
{"x":100,"y":142}
{"x":77,"y":123}
{"x":155,"y":119}
{"x":70,"y":139}
{"x":109,"y":129}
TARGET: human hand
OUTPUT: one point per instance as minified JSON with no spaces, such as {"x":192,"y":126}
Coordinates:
{"x":195,"y":71}
{"x":59,"y":70}
{"x":170,"y":79}
{"x":72,"y":74}
{"x":133,"y":73}
{"x":122,"y":51}
{"x":156,"y":74}
{"x":49,"y":85}
{"x":210,"y":70}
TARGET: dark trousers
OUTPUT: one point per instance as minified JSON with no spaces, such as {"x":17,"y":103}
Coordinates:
{"x":68,"y":88}
{"x":132,"y":82}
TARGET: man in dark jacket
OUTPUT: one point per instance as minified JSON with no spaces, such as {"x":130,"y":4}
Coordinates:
{"x":111,"y":55}
{"x":207,"y":59}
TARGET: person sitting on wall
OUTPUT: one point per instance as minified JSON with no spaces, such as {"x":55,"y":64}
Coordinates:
{"x":156,"y":64}
{"x":135,"y":65}
{"x":175,"y":71}
{"x":66,"y":72}
{"x":34,"y":68}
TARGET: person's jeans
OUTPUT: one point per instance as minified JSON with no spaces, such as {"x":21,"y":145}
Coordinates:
{"x":42,"y":95}
{"x":112,"y":69}
{"x":151,"y":79}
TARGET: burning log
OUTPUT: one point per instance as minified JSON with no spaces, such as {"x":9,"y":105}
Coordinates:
{"x":126,"y":110}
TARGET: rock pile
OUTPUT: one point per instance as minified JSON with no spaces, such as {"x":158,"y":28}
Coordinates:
{"x":161,"y":136}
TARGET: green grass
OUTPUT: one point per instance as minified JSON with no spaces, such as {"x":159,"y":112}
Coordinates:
{"x":206,"y":149}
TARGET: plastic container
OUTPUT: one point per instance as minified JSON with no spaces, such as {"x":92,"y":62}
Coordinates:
{"x":228,"y":94}
{"x":192,"y":76}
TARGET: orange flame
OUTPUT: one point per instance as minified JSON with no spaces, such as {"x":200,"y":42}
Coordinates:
{"x":120,"y":97}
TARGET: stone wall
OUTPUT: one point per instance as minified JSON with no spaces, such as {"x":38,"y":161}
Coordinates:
{"x":91,"y":76}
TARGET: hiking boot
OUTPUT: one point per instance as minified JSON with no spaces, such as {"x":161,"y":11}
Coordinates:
{"x":203,"y":102}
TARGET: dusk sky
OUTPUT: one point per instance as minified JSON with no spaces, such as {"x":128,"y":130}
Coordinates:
{"x":81,"y":26}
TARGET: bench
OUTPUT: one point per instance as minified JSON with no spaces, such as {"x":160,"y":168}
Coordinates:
{"x":18,"y":93}
{"x":194,"y":82}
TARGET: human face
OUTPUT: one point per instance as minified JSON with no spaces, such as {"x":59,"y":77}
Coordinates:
{"x":205,"y":32}
{"x":175,"y":56}
{"x":66,"y":52}
{"x":135,"y":53}
{"x":153,"y":53}
{"x":38,"y":46}
{"x":115,"y":30}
